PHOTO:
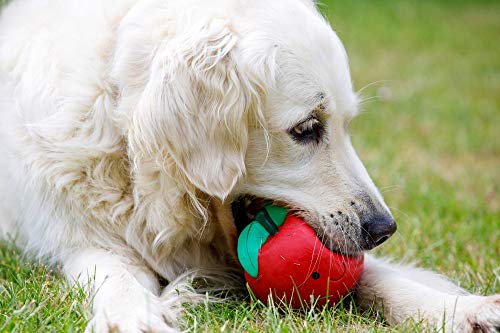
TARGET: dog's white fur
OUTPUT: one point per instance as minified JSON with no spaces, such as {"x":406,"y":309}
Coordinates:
{"x":127,"y":128}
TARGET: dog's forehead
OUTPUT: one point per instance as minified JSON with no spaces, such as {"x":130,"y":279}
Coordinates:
{"x":311,"y":65}
{"x":314,"y":74}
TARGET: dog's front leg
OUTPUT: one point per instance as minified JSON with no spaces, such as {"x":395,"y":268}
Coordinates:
{"x":126,"y":293}
{"x":404,"y":292}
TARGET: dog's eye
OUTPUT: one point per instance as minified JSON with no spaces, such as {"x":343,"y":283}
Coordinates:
{"x":307,"y":131}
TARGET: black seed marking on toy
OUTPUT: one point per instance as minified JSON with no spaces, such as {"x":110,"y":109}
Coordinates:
{"x":315,"y":275}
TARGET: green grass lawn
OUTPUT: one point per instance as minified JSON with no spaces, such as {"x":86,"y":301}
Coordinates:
{"x":429,"y":136}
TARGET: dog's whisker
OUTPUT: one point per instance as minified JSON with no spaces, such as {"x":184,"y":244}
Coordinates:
{"x":369,"y":99}
{"x":388,"y":189}
{"x":399,"y":211}
{"x":371,"y":84}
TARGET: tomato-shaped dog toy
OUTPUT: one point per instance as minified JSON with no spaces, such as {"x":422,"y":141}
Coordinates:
{"x":282,"y":256}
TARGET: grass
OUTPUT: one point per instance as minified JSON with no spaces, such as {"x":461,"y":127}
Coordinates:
{"x":429,"y":140}
{"x":34,"y":297}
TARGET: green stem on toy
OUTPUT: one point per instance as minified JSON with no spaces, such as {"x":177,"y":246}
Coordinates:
{"x":265,"y":220}
{"x":266,"y":223}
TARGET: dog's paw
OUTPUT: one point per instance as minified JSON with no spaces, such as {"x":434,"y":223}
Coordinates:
{"x":477,"y":314}
{"x":127,"y":318}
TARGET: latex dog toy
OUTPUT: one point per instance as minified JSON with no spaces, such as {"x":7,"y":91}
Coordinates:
{"x":283,"y":257}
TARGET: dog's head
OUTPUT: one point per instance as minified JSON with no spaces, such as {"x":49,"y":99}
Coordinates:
{"x":254,"y":104}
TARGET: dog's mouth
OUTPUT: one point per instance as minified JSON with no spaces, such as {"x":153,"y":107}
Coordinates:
{"x":245,"y":208}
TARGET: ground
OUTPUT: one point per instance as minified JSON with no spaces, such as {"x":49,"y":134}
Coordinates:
{"x":428,"y":134}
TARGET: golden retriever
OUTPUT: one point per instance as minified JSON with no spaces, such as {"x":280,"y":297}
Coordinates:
{"x":132,"y":130}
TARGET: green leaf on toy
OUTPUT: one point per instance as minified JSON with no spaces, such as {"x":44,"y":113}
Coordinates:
{"x":249,"y":244}
{"x":277,"y":214}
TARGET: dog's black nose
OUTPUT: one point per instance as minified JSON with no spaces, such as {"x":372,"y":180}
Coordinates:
{"x":377,"y":229}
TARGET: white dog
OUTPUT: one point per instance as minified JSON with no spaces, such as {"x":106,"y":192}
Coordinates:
{"x":131,"y":128}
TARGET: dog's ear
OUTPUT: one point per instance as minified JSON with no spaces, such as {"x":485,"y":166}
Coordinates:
{"x":195,"y":108}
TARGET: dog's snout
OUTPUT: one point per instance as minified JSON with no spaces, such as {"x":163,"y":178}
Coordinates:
{"x":377,"y":229}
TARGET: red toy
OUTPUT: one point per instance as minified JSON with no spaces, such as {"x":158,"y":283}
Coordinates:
{"x":282,"y":254}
